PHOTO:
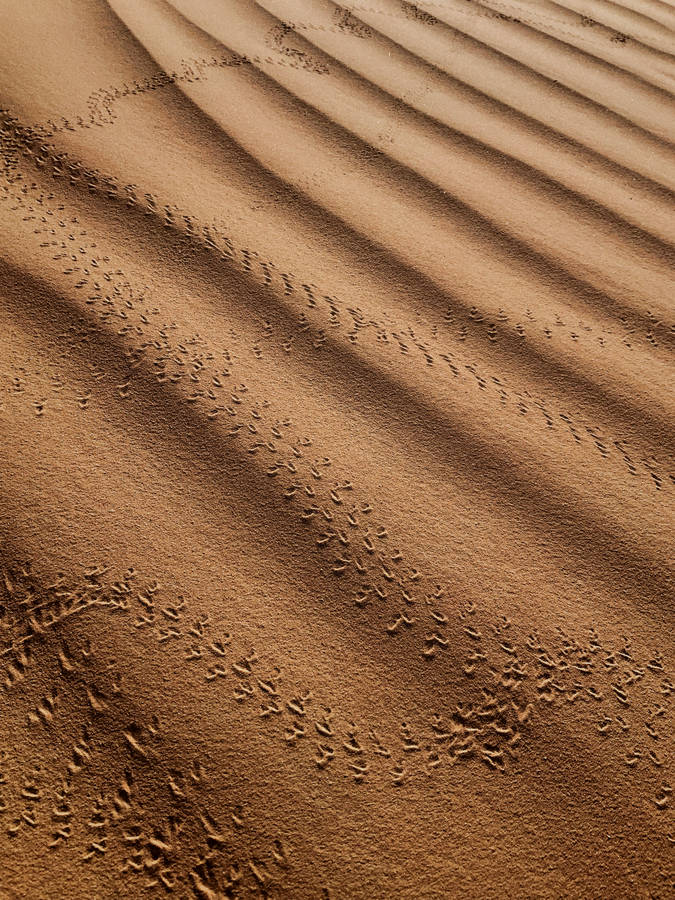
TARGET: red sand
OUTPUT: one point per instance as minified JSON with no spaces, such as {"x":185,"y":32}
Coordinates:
{"x":336,"y":458}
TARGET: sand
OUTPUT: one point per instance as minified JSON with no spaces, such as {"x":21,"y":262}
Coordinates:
{"x":336,"y":449}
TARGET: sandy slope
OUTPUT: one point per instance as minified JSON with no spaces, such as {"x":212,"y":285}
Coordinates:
{"x":336,"y":449}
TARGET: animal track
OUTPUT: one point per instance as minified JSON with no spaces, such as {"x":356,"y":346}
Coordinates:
{"x":135,"y":794}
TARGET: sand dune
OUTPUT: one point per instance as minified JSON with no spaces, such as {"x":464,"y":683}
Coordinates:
{"x":337,"y":449}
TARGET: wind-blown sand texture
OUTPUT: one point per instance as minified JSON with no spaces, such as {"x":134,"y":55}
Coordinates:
{"x":336,"y":458}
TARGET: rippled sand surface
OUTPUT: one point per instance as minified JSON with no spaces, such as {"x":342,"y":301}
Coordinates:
{"x":336,"y":449}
